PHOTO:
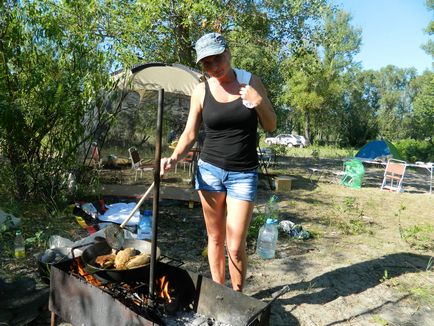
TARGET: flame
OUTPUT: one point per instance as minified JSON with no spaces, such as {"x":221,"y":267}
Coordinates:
{"x":164,"y":285}
{"x":88,"y":277}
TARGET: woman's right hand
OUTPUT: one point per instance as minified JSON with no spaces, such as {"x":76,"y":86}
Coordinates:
{"x":166,"y":164}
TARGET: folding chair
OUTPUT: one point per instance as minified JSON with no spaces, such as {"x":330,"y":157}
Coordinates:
{"x":137,"y":164}
{"x":266,"y":158}
{"x":187,"y":161}
{"x":95,"y":157}
{"x":393,"y":175}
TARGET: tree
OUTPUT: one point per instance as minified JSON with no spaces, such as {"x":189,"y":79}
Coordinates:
{"x":360,"y":105}
{"x":50,"y":78}
{"x":314,"y":74}
{"x":395,"y":108}
{"x":423,"y":107}
{"x":56,"y":56}
{"x":429,"y":46}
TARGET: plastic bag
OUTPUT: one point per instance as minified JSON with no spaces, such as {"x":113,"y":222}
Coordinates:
{"x":56,"y":241}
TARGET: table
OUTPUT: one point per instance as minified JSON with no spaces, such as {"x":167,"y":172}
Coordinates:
{"x":337,"y":175}
{"x":427,"y":166}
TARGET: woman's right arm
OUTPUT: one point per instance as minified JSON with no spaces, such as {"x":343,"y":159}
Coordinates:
{"x":188,"y":136}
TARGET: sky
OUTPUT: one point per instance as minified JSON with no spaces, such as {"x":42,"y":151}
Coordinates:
{"x":392,"y":32}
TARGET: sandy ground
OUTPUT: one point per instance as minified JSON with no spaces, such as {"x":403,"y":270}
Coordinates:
{"x":334,"y":279}
{"x":373,"y":278}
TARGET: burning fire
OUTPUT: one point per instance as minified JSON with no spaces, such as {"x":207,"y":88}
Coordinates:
{"x":164,"y":286}
{"x":88,"y":277}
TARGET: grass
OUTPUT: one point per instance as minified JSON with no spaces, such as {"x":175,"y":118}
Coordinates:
{"x":419,"y":236}
{"x":313,"y":151}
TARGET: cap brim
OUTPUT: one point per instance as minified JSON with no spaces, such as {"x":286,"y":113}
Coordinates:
{"x":210,"y":52}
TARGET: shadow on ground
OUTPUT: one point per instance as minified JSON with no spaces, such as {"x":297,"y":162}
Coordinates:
{"x":348,"y":280}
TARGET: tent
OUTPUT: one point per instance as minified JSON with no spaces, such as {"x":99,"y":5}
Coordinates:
{"x":378,"y":149}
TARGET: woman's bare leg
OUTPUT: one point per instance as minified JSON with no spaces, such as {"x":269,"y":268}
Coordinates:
{"x":237,"y":223}
{"x":214,"y":211}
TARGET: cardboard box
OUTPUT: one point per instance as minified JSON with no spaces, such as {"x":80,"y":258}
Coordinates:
{"x":283,"y":183}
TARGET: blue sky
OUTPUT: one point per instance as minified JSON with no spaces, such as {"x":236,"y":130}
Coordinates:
{"x":392,"y":32}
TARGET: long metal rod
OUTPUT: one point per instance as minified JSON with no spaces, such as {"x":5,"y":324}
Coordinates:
{"x":158,"y":138}
{"x":135,"y":209}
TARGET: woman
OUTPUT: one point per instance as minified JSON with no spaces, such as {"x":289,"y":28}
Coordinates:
{"x":227,"y":169}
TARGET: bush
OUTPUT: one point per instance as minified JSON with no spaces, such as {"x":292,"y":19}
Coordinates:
{"x":413,"y":150}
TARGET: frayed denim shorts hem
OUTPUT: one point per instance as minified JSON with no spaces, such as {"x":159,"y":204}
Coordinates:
{"x":241,"y":185}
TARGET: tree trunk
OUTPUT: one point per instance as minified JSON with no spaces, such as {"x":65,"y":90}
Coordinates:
{"x":307,"y":127}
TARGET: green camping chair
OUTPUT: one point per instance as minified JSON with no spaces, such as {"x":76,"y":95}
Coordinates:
{"x":353,"y":174}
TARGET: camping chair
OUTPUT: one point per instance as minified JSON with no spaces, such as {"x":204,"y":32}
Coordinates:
{"x":353,"y":174}
{"x":95,"y":157}
{"x":393,"y":175}
{"x":266,"y":158}
{"x":137,"y":164}
{"x":186,"y":161}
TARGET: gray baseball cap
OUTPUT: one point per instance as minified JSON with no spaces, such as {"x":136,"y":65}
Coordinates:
{"x":210,"y":44}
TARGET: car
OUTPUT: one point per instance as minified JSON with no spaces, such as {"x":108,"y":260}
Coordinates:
{"x":302,"y":140}
{"x":283,"y":139}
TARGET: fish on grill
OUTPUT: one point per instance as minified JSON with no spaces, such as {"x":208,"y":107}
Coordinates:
{"x":123,"y":256}
{"x":106,"y":261}
{"x":139,"y":260}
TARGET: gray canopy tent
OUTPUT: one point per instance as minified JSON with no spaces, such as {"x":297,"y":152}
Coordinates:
{"x":173,"y":78}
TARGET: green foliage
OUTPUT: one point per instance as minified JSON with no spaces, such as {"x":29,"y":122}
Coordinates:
{"x":429,"y":46}
{"x":429,"y":264}
{"x":360,"y":105}
{"x":315,"y":151}
{"x":380,"y":320}
{"x":395,"y":109}
{"x":422,"y":126}
{"x":420,"y":237}
{"x":416,"y":150}
{"x":52,"y":74}
{"x":257,"y":221}
{"x":349,"y":217}
{"x":314,"y":83}
{"x":37,"y":240}
{"x":424,"y":293}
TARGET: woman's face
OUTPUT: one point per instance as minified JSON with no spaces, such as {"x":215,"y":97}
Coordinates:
{"x":217,"y":65}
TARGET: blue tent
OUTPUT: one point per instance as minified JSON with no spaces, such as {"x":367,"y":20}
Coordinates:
{"x":378,"y":148}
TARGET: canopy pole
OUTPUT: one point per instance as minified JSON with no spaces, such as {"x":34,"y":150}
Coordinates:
{"x":156,"y":198}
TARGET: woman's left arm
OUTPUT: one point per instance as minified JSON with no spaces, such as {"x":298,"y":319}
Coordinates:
{"x":256,"y":94}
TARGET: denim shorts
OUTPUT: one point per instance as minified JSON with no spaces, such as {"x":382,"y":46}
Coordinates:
{"x":240,"y":185}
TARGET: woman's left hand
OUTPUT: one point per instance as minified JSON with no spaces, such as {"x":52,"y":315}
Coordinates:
{"x":250,"y":95}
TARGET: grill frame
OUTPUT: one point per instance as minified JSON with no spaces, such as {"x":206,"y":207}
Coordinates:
{"x":78,"y":302}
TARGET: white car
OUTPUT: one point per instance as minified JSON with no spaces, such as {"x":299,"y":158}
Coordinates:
{"x":283,"y":139}
{"x":302,"y":140}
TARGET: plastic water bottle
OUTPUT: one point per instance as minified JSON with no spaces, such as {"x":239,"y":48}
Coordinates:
{"x":144,"y":229}
{"x":267,"y":239}
{"x":272,"y":208}
{"x":20,"y":251}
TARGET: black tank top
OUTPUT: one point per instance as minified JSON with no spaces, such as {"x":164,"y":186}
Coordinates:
{"x":230,"y":134}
